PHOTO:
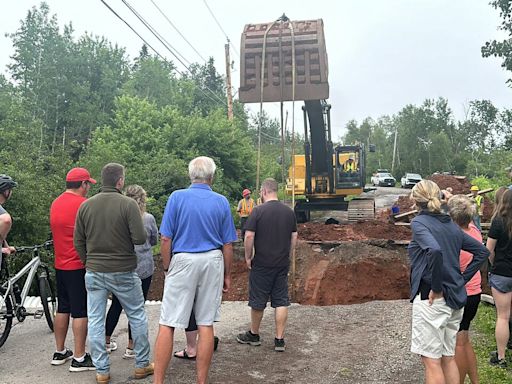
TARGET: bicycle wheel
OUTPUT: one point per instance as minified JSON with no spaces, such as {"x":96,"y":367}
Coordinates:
{"x":5,"y":316}
{"x":47,"y":300}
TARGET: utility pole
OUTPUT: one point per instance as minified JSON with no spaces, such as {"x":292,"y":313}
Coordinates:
{"x":394,"y":151}
{"x":228,"y":82}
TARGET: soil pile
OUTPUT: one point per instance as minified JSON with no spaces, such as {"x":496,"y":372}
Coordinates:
{"x":459,"y":185}
{"x":362,"y":230}
{"x":352,"y":273}
{"x":348,"y":273}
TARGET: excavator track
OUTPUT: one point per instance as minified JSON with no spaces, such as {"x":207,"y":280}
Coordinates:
{"x":361,"y":209}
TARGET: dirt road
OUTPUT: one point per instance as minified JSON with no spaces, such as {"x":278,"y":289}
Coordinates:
{"x":361,"y":343}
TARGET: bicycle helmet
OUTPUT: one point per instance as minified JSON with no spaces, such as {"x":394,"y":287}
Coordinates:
{"x":6,"y":183}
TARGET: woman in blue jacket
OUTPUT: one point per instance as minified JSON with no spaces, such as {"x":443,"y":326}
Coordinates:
{"x":437,"y":284}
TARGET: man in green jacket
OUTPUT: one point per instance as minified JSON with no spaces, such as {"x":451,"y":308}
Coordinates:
{"x":107,"y":227}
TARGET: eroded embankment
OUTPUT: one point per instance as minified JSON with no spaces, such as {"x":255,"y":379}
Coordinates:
{"x":338,"y":273}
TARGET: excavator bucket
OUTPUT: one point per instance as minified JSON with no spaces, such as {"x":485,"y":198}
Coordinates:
{"x":311,"y":71}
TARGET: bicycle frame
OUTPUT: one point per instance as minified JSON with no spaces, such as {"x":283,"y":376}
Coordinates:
{"x":31,"y":268}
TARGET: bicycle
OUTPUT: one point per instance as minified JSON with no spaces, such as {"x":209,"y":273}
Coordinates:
{"x":12,"y":299}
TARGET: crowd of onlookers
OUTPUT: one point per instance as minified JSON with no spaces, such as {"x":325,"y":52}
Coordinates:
{"x":103,"y":249}
{"x":446,"y":254}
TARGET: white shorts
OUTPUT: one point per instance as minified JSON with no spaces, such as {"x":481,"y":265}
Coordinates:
{"x":194,"y":280}
{"x":434,"y":328}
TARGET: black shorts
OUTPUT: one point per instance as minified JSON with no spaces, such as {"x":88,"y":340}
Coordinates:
{"x":469,"y":311}
{"x":268,"y":282}
{"x":71,"y":292}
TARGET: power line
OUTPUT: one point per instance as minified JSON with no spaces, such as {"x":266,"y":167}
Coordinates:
{"x":151,"y":47}
{"x":160,"y":38}
{"x":165,"y":44}
{"x":220,"y":26}
{"x":177,"y":30}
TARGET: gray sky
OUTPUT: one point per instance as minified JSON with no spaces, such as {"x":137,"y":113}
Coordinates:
{"x":383,"y":54}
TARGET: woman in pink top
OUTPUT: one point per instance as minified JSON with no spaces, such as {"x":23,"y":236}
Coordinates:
{"x":462,"y":210}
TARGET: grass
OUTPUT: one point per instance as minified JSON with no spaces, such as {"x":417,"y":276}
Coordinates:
{"x":484,"y":342}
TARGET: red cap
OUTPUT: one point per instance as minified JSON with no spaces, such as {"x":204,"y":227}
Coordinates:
{"x":246,"y":192}
{"x":80,"y":174}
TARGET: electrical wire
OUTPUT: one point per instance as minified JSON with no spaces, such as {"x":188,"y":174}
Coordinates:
{"x":177,"y":30}
{"x":157,"y":35}
{"x":150,"y":46}
{"x":220,"y":26}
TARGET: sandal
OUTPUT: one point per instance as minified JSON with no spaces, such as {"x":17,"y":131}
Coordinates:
{"x":184,"y":356}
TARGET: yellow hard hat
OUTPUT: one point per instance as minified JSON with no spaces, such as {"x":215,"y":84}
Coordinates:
{"x":475,"y":188}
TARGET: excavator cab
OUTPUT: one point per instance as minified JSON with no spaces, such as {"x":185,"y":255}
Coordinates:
{"x":349,"y":167}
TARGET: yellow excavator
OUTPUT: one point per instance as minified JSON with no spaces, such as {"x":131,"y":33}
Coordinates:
{"x":287,"y":61}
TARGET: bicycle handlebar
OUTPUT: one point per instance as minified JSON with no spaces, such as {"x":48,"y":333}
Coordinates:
{"x":47,"y":244}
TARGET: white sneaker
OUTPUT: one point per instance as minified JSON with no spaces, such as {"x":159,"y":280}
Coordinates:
{"x":112,"y":346}
{"x":129,"y":354}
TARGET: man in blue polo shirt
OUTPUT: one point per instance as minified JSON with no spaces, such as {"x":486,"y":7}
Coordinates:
{"x":197,"y":230}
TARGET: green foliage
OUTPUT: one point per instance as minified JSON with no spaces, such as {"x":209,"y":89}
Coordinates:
{"x":503,"y":48}
{"x":484,"y":342}
{"x":156,"y":145}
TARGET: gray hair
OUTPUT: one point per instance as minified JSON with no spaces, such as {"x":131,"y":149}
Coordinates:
{"x":201,"y":169}
{"x":461,"y":209}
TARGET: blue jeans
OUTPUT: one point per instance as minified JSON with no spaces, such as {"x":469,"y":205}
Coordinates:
{"x":127,"y":288}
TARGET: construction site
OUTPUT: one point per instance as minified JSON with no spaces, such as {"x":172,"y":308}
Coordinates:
{"x":348,"y":236}
{"x":344,"y":263}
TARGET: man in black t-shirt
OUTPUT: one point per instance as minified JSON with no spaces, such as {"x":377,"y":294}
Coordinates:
{"x":272,"y":230}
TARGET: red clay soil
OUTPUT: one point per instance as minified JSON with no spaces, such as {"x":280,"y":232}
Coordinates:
{"x":348,"y":273}
{"x":362,"y":230}
{"x":459,"y":186}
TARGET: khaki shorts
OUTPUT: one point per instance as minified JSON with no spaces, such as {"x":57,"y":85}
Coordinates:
{"x":434,"y":328}
{"x":194,"y":280}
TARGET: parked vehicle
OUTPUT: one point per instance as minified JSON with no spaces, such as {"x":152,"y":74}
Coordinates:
{"x":409,"y":180}
{"x":383,"y":179}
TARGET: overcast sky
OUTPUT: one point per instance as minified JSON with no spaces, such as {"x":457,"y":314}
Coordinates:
{"x":383,"y":54}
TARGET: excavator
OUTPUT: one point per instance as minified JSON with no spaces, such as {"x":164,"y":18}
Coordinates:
{"x":286,"y":60}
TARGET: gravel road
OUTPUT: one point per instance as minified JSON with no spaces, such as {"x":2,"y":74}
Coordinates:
{"x":361,"y":343}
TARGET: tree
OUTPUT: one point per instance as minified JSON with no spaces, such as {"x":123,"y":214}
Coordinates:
{"x":503,"y":48}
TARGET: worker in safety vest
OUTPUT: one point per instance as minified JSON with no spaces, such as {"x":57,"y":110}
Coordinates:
{"x":244,"y":209}
{"x":350,"y":164}
{"x":479,"y":202}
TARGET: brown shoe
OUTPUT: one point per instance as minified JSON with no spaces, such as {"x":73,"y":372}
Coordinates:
{"x":102,"y":379}
{"x":141,"y":373}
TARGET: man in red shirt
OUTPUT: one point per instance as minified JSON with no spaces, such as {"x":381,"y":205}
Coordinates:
{"x":70,"y":272}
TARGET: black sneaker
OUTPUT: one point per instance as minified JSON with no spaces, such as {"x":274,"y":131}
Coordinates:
{"x":61,"y":358}
{"x":501,"y":363}
{"x":279,"y":345}
{"x":85,"y":365}
{"x":248,"y":338}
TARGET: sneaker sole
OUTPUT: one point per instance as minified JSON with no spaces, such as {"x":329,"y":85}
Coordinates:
{"x":81,"y":369}
{"x":127,"y":357}
{"x":253,"y":343}
{"x":279,"y":349}
{"x":60,"y":362}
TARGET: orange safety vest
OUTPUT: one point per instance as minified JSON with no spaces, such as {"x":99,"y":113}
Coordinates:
{"x":246,"y":209}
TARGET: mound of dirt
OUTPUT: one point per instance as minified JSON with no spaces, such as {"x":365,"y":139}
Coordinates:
{"x":353,"y":272}
{"x":362,"y":230}
{"x":459,"y":185}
